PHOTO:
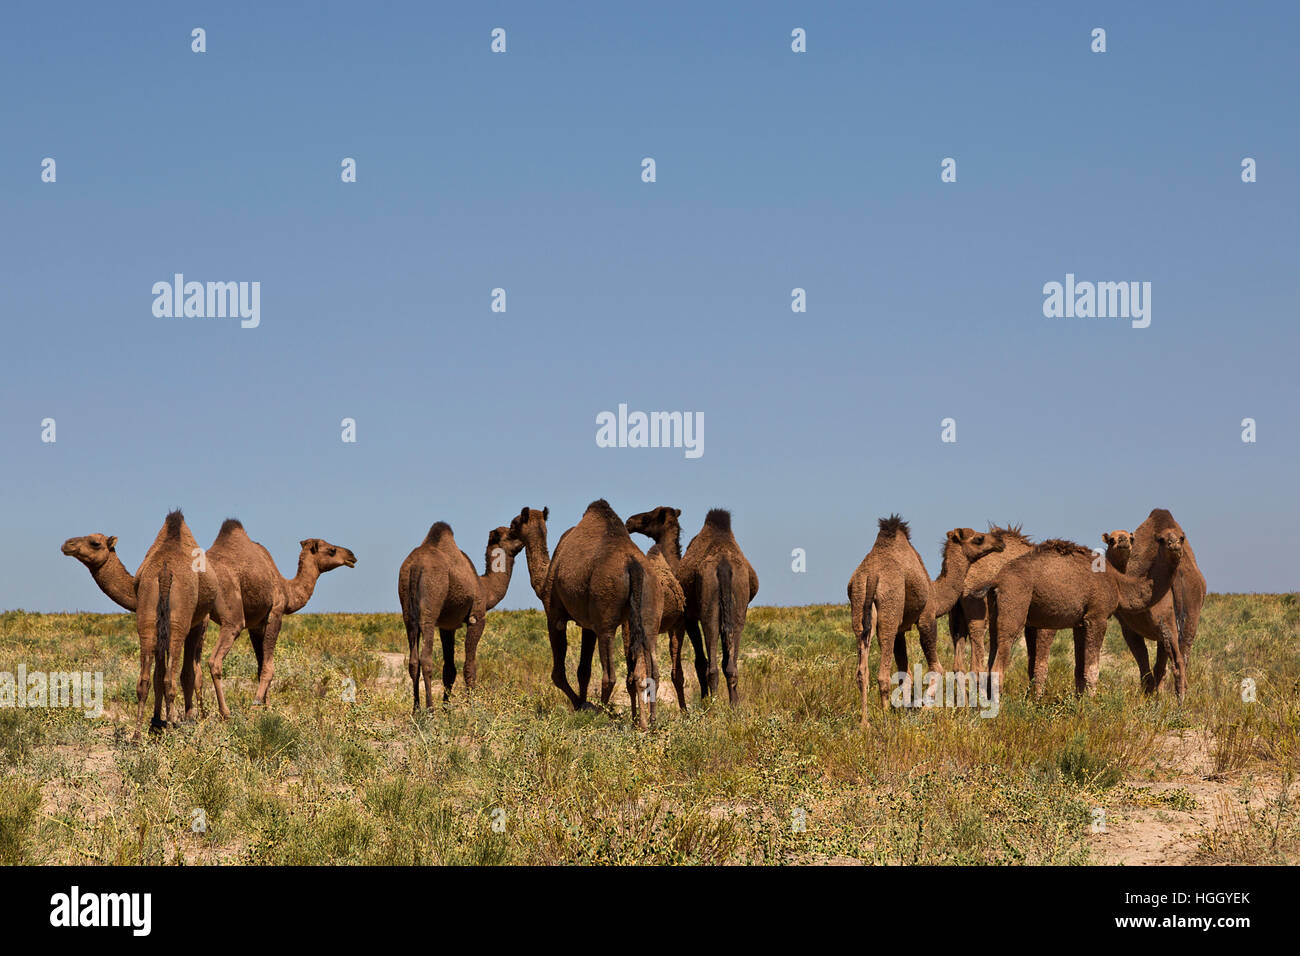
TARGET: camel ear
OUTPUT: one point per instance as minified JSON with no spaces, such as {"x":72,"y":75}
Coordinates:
{"x":1106,"y":538}
{"x":954,"y":537}
{"x":112,"y":541}
{"x":677,"y":512}
{"x":546,"y":512}
{"x":309,"y":542}
{"x":523,"y":515}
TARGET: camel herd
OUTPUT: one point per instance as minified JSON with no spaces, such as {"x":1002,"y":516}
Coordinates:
{"x":999,"y":582}
{"x":996,"y":582}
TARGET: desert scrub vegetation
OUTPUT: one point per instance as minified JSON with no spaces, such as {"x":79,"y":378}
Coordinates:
{"x":513,"y":775}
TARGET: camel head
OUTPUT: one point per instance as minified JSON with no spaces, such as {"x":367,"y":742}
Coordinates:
{"x":530,"y":526}
{"x":506,"y":540}
{"x":326,"y":556}
{"x":1119,"y":544}
{"x":92,"y":550}
{"x":655,"y":522}
{"x":975,"y":544}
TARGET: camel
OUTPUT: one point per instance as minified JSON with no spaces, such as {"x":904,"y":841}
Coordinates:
{"x":439,"y":589}
{"x":1055,"y":586}
{"x":1178,"y":613}
{"x":266,"y":597}
{"x":891,"y":592}
{"x":98,"y":552}
{"x":178,"y":588}
{"x":662,"y":526}
{"x":599,"y":579}
{"x":719,"y":583}
{"x":968,"y":620}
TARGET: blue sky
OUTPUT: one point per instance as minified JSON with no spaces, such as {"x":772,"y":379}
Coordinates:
{"x":775,"y":170}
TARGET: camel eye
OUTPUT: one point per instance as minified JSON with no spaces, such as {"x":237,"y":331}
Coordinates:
{"x":979,"y":539}
{"x":333,"y":552}
{"x":95,"y":544}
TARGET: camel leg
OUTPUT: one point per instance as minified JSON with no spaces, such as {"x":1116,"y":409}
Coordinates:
{"x":225,"y":641}
{"x":701,"y":655}
{"x":1007,"y":618}
{"x":266,"y":661}
{"x":731,"y":664}
{"x":1162,"y":664}
{"x":192,"y":669}
{"x":675,"y":652}
{"x":1094,"y":635}
{"x":472,"y":634}
{"x":148,"y":641}
{"x":928,"y":628}
{"x":1080,"y":653}
{"x":1169,"y":648}
{"x":977,"y":629}
{"x":585,"y":653}
{"x":1038,"y":642}
{"x":413,"y":658}
{"x":559,"y":650}
{"x":863,"y":647}
{"x":605,"y":647}
{"x":636,"y":674}
{"x":428,"y":626}
{"x":257,"y":637}
{"x":1137,"y":646}
{"x":448,"y":635}
{"x":887,"y":636}
{"x":650,"y":692}
{"x":711,"y":641}
{"x":178,"y":631}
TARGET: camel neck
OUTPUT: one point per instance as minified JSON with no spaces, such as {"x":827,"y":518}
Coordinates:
{"x":494,"y":583}
{"x":298,"y":591}
{"x":539,"y":559}
{"x":670,"y":546}
{"x":946,"y":588}
{"x":116,"y":581}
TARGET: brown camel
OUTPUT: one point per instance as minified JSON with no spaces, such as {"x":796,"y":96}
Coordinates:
{"x":1178,"y":613}
{"x":662,"y":525}
{"x":1055,"y":586}
{"x":98,"y":552}
{"x":599,"y":579}
{"x":968,"y":620}
{"x":439,"y":590}
{"x":891,"y":592}
{"x":179,"y":588}
{"x":718,"y":582}
{"x":266,"y":597}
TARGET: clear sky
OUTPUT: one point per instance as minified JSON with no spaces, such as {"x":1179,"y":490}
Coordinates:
{"x":522,"y":171}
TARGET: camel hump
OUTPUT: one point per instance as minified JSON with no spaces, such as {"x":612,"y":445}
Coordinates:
{"x":437,"y":532}
{"x":895,"y":524}
{"x":230,"y":526}
{"x":1063,"y":547}
{"x":719,"y":518}
{"x":173,"y":524}
{"x":602,"y":509}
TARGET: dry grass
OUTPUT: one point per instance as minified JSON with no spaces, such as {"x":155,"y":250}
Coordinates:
{"x":514,"y":776}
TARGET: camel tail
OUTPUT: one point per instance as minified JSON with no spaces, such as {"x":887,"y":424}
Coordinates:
{"x":869,"y":598}
{"x":726,"y":601}
{"x":413,"y":598}
{"x":958,"y":623}
{"x":163,"y":642}
{"x":640,"y":642}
